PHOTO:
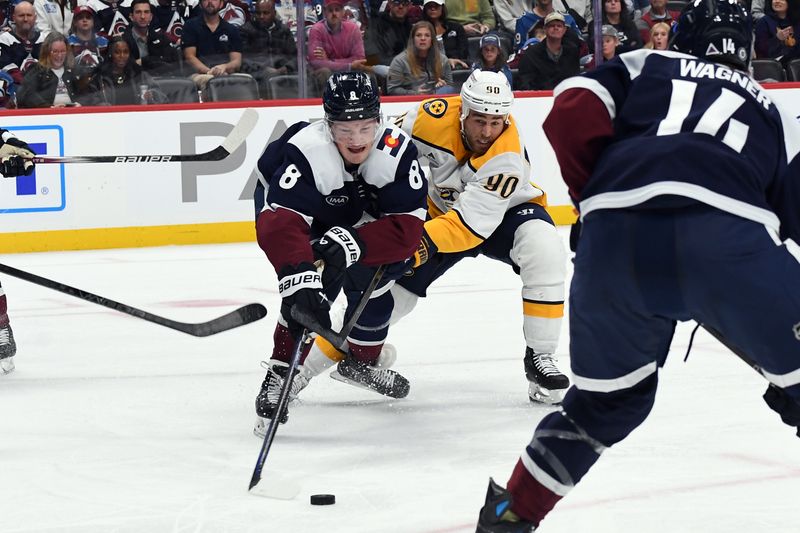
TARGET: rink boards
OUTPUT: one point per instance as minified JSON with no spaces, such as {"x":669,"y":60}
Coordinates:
{"x":132,"y":204}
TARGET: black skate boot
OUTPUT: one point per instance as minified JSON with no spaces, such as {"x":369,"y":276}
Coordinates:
{"x":8,"y":348}
{"x":547,"y":383}
{"x":267,"y":399}
{"x":496,"y":515}
{"x":380,"y":380}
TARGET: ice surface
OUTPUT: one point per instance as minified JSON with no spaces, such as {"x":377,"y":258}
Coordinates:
{"x":111,"y":424}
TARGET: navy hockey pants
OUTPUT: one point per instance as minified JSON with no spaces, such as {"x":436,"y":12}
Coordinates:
{"x":636,"y":274}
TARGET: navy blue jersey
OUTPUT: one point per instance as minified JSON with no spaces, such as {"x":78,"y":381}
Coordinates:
{"x":664,"y":129}
{"x":305,"y":188}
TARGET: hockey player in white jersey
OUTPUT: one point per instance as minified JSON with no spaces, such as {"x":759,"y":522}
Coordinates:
{"x":480,"y":201}
{"x":15,"y":160}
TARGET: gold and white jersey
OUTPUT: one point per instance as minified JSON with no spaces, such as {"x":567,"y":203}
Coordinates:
{"x":468,"y":194}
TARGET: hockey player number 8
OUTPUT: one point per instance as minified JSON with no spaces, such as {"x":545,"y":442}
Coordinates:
{"x":717,"y":114}
{"x":289,"y":177}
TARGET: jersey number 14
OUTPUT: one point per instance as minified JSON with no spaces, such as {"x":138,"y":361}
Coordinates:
{"x":712,"y":121}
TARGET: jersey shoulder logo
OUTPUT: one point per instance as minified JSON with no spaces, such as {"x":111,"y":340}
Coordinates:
{"x":435,"y":108}
{"x":391,"y":141}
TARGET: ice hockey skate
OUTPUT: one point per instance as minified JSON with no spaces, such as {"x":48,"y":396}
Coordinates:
{"x":267,"y":399}
{"x":376,"y":378}
{"x":546,"y":382}
{"x":496,"y":515}
{"x":8,"y":348}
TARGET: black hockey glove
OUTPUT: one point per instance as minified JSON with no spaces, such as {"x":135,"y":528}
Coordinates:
{"x":340,"y":248}
{"x":15,"y":156}
{"x":784,"y":405}
{"x":301,"y":286}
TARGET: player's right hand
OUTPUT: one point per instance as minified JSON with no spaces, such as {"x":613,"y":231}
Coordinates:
{"x":301,"y":286}
{"x":15,"y":156}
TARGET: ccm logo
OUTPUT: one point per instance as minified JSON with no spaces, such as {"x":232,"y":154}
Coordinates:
{"x":336,"y":201}
{"x":142,"y":159}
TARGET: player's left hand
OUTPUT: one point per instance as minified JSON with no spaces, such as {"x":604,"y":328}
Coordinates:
{"x":425,"y":249}
{"x":15,"y":156}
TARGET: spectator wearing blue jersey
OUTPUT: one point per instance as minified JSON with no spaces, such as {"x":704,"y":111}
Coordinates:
{"x":492,"y":57}
{"x":778,"y":32}
{"x":546,"y":64}
{"x":615,"y":13}
{"x":542,"y":8}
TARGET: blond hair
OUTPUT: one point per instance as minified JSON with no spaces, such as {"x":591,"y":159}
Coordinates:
{"x":657,"y":26}
{"x":44,"y":53}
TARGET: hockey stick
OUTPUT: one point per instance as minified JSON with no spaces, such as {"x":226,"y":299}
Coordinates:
{"x":269,"y":436}
{"x":234,"y":319}
{"x":736,"y":350}
{"x":234,"y":140}
{"x":339,"y":339}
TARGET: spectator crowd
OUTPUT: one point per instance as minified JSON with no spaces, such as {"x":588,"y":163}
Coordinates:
{"x":56,"y":53}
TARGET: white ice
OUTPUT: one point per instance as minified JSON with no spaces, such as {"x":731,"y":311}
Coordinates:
{"x":111,"y":424}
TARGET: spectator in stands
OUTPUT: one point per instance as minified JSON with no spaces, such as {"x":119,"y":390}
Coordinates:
{"x":510,"y":11}
{"x":387,"y":36}
{"x":778,"y":32}
{"x":170,"y":15}
{"x":88,"y":46}
{"x":615,"y":13}
{"x":150,"y":48}
{"x":450,"y":35}
{"x":267,"y":42}
{"x":610,"y":44}
{"x":54,"y":15}
{"x":476,"y":16}
{"x":541,"y":8}
{"x":757,"y":9}
{"x":422,"y":68}
{"x":659,"y":36}
{"x":211,"y":46}
{"x":334,"y":45}
{"x":654,"y":13}
{"x":119,"y":80}
{"x":287,"y":12}
{"x":237,"y":12}
{"x":492,"y":57}
{"x":544,"y":65}
{"x":111,"y":16}
{"x":51,"y":82}
{"x":19,"y":47}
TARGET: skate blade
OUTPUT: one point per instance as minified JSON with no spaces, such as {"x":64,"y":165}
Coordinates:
{"x":338,"y":377}
{"x":546,"y":397}
{"x":276,"y":486}
{"x":7,"y":365}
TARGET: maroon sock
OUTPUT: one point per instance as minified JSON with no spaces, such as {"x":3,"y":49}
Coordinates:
{"x":284,"y":345}
{"x":366,"y":354}
{"x":532,"y":500}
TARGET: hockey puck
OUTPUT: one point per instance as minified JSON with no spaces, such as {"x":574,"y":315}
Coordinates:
{"x":323,"y":499}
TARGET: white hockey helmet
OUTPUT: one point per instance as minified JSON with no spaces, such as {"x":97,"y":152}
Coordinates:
{"x":486,"y":92}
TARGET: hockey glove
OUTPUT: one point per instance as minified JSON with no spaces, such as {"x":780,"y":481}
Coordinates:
{"x":301,"y":286}
{"x":15,"y":156}
{"x":340,"y":248}
{"x":784,"y":405}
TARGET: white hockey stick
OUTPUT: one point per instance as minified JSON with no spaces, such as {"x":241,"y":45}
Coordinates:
{"x":234,"y":140}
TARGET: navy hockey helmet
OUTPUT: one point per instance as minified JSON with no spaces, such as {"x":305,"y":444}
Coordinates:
{"x":717,"y":30}
{"x":350,"y":96}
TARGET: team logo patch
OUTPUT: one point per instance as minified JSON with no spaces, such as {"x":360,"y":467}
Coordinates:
{"x":435,"y":108}
{"x":336,"y":201}
{"x":391,"y":141}
{"x":796,"y":330}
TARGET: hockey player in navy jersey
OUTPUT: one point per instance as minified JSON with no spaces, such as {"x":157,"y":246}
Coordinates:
{"x":687,"y":179}
{"x":348,"y":191}
{"x":15,"y":160}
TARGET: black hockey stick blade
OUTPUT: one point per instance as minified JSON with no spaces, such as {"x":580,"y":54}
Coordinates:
{"x":234,"y":140}
{"x":244,"y":315}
